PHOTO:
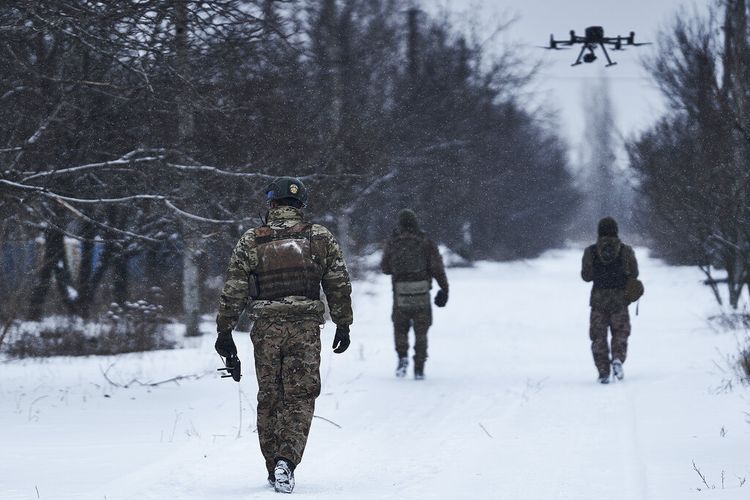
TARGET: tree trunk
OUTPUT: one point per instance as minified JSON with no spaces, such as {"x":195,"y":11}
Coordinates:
{"x":190,"y":292}
{"x":185,"y":129}
{"x":343,"y":228}
{"x":120,"y":278}
{"x":39,"y":291}
{"x":86,"y":287}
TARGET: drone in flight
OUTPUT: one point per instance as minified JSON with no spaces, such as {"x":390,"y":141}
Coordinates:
{"x":594,"y":38}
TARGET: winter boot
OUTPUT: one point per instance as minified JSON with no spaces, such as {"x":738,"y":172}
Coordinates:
{"x":604,"y":379}
{"x":418,"y":371}
{"x":284,"y":476}
{"x":617,"y":369}
{"x":271,"y":479}
{"x":403,"y":364}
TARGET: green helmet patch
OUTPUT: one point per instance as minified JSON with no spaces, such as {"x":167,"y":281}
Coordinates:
{"x":287,"y":187}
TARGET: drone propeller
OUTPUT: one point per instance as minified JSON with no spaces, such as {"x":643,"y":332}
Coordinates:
{"x":547,"y":47}
{"x":553,"y":44}
{"x":631,"y":40}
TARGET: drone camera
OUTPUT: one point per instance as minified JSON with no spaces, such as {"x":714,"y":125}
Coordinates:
{"x":589,"y":58}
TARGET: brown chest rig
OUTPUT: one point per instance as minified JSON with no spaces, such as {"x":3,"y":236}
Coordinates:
{"x":286,"y":265}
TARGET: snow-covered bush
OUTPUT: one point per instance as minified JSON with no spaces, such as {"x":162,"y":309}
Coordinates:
{"x":738,"y":363}
{"x":130,"y":327}
{"x":137,"y":326}
{"x":58,"y":336}
{"x":453,"y":259}
{"x":743,"y":362}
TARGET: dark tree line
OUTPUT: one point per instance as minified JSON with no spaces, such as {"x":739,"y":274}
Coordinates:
{"x":693,"y":163}
{"x":145,"y":130}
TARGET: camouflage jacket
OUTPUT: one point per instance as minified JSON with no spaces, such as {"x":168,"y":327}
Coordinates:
{"x":608,"y":299}
{"x":434,"y":269}
{"x":326,"y":252}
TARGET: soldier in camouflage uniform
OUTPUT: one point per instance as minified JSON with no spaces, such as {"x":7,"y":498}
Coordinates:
{"x":413,"y":261}
{"x":276,"y":271}
{"x":609,"y":263}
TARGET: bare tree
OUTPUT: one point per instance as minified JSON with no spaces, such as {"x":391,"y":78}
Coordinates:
{"x":693,"y":163}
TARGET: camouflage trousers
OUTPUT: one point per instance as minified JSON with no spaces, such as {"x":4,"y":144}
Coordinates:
{"x":287,"y":364}
{"x":602,"y":320}
{"x":403,"y":320}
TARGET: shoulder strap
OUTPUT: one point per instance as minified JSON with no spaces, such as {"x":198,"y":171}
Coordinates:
{"x":267,"y":234}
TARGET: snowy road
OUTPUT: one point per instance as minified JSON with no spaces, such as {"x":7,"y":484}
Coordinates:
{"x":509,"y":410}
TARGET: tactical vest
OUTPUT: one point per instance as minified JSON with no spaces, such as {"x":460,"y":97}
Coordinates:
{"x":409,"y":257}
{"x":609,"y":275}
{"x":286,"y":265}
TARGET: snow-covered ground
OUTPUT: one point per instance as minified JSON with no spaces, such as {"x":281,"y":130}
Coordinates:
{"x":510,"y":408}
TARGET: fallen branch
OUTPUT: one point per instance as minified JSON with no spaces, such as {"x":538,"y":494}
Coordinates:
{"x":700,"y":474}
{"x":485,"y":430}
{"x":175,"y":379}
{"x":31,"y":406}
{"x":329,"y":421}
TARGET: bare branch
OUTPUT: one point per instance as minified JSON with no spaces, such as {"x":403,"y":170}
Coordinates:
{"x":124,"y":161}
{"x":202,"y":219}
{"x":176,"y":379}
{"x":327,"y":420}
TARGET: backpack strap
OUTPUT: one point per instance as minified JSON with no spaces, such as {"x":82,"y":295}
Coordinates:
{"x":267,"y":234}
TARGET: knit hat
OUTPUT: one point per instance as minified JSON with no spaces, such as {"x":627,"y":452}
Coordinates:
{"x":607,"y":227}
{"x":407,"y":219}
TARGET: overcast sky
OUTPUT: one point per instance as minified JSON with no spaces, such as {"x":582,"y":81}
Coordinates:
{"x":637,"y":102}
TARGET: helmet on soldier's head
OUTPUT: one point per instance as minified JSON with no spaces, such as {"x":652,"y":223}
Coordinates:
{"x":287,"y":187}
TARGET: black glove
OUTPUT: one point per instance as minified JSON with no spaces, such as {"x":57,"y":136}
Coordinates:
{"x":341,"y":341}
{"x":225,"y":345}
{"x":232,"y":368}
{"x":441,"y":298}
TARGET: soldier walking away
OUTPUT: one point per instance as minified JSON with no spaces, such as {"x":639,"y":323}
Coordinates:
{"x":610,"y":264}
{"x":413,"y":261}
{"x":276,"y":271}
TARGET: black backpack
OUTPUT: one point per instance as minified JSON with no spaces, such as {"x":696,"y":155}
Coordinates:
{"x":408,"y":255}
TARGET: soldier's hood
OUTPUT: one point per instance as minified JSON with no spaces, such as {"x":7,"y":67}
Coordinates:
{"x":608,"y":248}
{"x":284,"y":216}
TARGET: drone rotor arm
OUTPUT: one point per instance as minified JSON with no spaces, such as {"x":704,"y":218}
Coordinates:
{"x":616,"y":43}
